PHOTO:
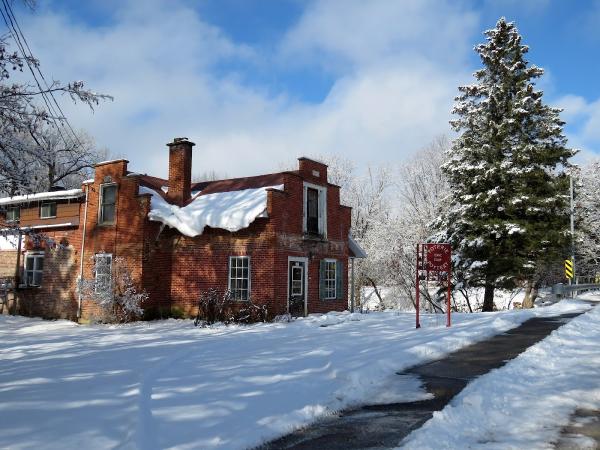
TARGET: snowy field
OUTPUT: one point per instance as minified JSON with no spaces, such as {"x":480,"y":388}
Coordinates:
{"x":168,"y":384}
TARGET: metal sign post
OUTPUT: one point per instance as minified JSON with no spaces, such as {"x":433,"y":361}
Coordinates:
{"x":433,"y":260}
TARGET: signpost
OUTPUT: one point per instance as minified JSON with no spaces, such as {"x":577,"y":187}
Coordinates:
{"x":434,"y":263}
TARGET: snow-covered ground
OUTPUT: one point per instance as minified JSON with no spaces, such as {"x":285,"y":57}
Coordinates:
{"x":526,"y":403}
{"x":170,"y":385}
{"x":393,"y":298}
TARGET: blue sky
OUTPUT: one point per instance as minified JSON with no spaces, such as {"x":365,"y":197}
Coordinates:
{"x":258,"y":83}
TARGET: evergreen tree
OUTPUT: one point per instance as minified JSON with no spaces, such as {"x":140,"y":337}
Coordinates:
{"x":508,"y":189}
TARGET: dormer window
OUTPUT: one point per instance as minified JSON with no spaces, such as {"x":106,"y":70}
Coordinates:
{"x":315,"y":210}
{"x":48,"y":210}
{"x":13,"y":214}
{"x":108,"y":203}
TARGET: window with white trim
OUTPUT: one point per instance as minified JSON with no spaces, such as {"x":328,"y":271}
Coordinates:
{"x":108,"y":204}
{"x":34,"y":269}
{"x":315,"y":210}
{"x":47,"y":210}
{"x":13,"y":214}
{"x":239,"y":277}
{"x":329,"y":279}
{"x":103,"y":268}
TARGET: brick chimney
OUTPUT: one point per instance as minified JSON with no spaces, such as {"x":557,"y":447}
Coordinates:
{"x":180,"y":171}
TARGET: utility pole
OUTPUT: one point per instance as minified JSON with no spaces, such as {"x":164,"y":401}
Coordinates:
{"x":572,"y":229}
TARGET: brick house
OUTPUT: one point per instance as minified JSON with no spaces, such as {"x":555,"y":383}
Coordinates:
{"x":280,"y":239}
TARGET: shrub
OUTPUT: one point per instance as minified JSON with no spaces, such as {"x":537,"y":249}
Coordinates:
{"x":217,"y":306}
{"x":114,"y":291}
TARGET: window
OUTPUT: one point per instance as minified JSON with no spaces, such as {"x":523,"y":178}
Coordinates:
{"x":315,"y":210}
{"x":34,"y":268}
{"x":330,"y":279}
{"x":48,"y":210}
{"x":103,"y":272}
{"x":13,"y":214}
{"x":297,"y":280}
{"x":108,"y":200}
{"x":239,"y":277}
{"x":312,"y":211}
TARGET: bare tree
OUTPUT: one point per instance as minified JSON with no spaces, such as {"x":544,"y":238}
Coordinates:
{"x":60,"y":163}
{"x":208,"y":175}
{"x":28,"y":106}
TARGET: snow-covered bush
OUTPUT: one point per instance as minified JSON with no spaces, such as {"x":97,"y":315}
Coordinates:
{"x":218,"y":306}
{"x":113,"y":289}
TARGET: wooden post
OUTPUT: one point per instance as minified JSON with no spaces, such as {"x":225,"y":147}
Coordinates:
{"x":448,"y":320}
{"x":418,"y":324}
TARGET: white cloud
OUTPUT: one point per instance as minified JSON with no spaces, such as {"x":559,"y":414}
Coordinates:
{"x":397,"y":65}
{"x":362,"y":33}
{"x":583,"y":125}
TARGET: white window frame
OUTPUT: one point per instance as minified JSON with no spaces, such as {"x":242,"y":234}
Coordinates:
{"x":230,"y":279}
{"x":101,"y":220}
{"x":322,"y":190}
{"x":335,"y":280}
{"x":48,"y":203}
{"x":34,"y":256}
{"x":305,"y":261}
{"x":13,"y":208}
{"x":96,"y":282}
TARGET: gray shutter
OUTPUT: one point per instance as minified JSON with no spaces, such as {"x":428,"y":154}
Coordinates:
{"x":322,"y":280}
{"x":339,"y":278}
{"x":228,"y":287}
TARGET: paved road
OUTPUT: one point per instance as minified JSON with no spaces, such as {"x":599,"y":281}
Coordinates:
{"x":384,"y":426}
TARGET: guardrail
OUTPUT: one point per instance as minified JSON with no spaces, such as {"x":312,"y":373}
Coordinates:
{"x":560,"y":289}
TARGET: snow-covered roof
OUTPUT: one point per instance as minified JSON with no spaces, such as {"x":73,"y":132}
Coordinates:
{"x":356,"y":251}
{"x":54,"y":195}
{"x":232,"y":210}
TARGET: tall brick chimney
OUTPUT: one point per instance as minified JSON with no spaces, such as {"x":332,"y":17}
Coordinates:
{"x":180,"y":170}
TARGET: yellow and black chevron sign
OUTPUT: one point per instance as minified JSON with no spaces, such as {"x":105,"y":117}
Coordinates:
{"x":569,"y":268}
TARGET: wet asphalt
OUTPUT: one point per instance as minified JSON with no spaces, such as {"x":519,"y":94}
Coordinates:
{"x":385,"y":426}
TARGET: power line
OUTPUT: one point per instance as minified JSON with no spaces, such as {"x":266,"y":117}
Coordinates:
{"x":9,"y":23}
{"x":64,"y":117}
{"x":56,"y":114}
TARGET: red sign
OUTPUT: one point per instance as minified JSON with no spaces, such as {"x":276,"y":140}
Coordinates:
{"x":438,"y":257}
{"x":434,"y":259}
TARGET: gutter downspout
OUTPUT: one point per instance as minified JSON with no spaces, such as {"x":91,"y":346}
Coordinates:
{"x":17,"y":273}
{"x":352,"y":287}
{"x":82,"y":253}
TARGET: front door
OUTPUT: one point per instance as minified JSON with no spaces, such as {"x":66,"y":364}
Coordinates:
{"x":297,"y":288}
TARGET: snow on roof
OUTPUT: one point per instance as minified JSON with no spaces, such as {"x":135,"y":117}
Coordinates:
{"x":232,"y":211}
{"x":91,"y":180}
{"x":54,"y":195}
{"x":355,"y":249}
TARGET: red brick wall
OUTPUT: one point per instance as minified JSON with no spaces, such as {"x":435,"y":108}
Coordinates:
{"x":57,"y":295}
{"x":123,"y":239}
{"x":8,"y":263}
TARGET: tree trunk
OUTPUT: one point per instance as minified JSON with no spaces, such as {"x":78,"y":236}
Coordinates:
{"x":531,"y":292}
{"x":466,"y":296}
{"x":488,"y":296}
{"x":370,"y":280}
